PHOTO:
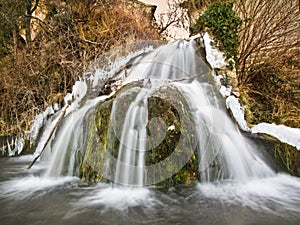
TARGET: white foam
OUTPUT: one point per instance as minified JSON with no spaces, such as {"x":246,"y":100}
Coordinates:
{"x":282,"y":191}
{"x":120,"y":198}
{"x":21,"y":188}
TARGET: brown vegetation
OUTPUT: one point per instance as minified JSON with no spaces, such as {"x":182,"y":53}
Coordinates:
{"x":72,"y":34}
{"x":269,"y":72}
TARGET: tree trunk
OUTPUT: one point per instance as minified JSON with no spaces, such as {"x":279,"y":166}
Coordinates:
{"x":29,"y":11}
{"x":15,"y":41}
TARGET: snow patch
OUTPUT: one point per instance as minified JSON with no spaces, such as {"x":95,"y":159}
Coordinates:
{"x":38,"y":123}
{"x":172,"y":127}
{"x":213,"y":56}
{"x":113,"y":67}
{"x":225,"y":91}
{"x":285,"y":134}
{"x":79,"y":90}
{"x":238,"y":112}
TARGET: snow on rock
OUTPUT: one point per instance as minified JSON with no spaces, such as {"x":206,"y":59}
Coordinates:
{"x":285,"y":134}
{"x":172,"y":127}
{"x":19,"y":145}
{"x":79,"y":90}
{"x":38,"y":123}
{"x":114,"y":66}
{"x":238,"y":112}
{"x":10,"y":152}
{"x":225,"y":91}
{"x":213,"y":56}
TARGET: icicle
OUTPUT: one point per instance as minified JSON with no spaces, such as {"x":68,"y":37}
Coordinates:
{"x":15,"y":146}
{"x":3,"y":150}
{"x":10,"y":152}
{"x":20,"y":145}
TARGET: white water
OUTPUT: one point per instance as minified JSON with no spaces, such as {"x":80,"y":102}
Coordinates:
{"x":121,"y":198}
{"x":130,"y":163}
{"x":169,"y":62}
{"x":276,"y":194}
{"x":232,"y":170}
{"x":69,"y":139}
{"x":22,"y":188}
{"x":69,"y":136}
{"x":223,"y":152}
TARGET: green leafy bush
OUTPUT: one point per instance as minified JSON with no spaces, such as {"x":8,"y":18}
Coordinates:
{"x":223,"y":23}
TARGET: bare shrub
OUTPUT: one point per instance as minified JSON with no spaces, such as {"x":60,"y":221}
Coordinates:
{"x":73,"y":34}
{"x":269,"y":33}
{"x":269,"y":57}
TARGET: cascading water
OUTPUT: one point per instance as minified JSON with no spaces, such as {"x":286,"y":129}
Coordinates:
{"x":223,"y":152}
{"x":69,"y":139}
{"x":246,"y":189}
{"x":130,"y":163}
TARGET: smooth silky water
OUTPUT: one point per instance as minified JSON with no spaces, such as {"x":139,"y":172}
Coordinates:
{"x":243,"y":189}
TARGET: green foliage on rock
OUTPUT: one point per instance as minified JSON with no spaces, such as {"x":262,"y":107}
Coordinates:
{"x":174,"y":155}
{"x":283,"y":157}
{"x":164,"y":105}
{"x":221,"y":20}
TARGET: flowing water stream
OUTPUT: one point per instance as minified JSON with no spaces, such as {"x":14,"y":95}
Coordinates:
{"x":237,"y":186}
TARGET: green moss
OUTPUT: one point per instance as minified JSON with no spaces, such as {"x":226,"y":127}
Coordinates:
{"x":223,"y":23}
{"x":102,"y":137}
{"x":97,"y":143}
{"x":289,"y":156}
{"x":166,"y":107}
{"x":283,"y":157}
{"x":170,"y":106}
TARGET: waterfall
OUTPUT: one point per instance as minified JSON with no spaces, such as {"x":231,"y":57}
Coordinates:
{"x":169,"y":62}
{"x":69,"y":139}
{"x":130,"y":163}
{"x":223,"y":153}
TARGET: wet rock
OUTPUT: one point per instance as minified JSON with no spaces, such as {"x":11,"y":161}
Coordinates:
{"x":166,"y":111}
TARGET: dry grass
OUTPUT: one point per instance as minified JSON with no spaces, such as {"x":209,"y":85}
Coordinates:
{"x":269,"y":72}
{"x":73,"y":34}
{"x":272,"y":95}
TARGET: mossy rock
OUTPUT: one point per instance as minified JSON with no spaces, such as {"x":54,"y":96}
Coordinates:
{"x":166,"y":109}
{"x":283,"y":157}
{"x":181,"y":165}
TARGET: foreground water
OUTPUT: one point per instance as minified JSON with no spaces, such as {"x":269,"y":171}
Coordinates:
{"x":27,"y":197}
